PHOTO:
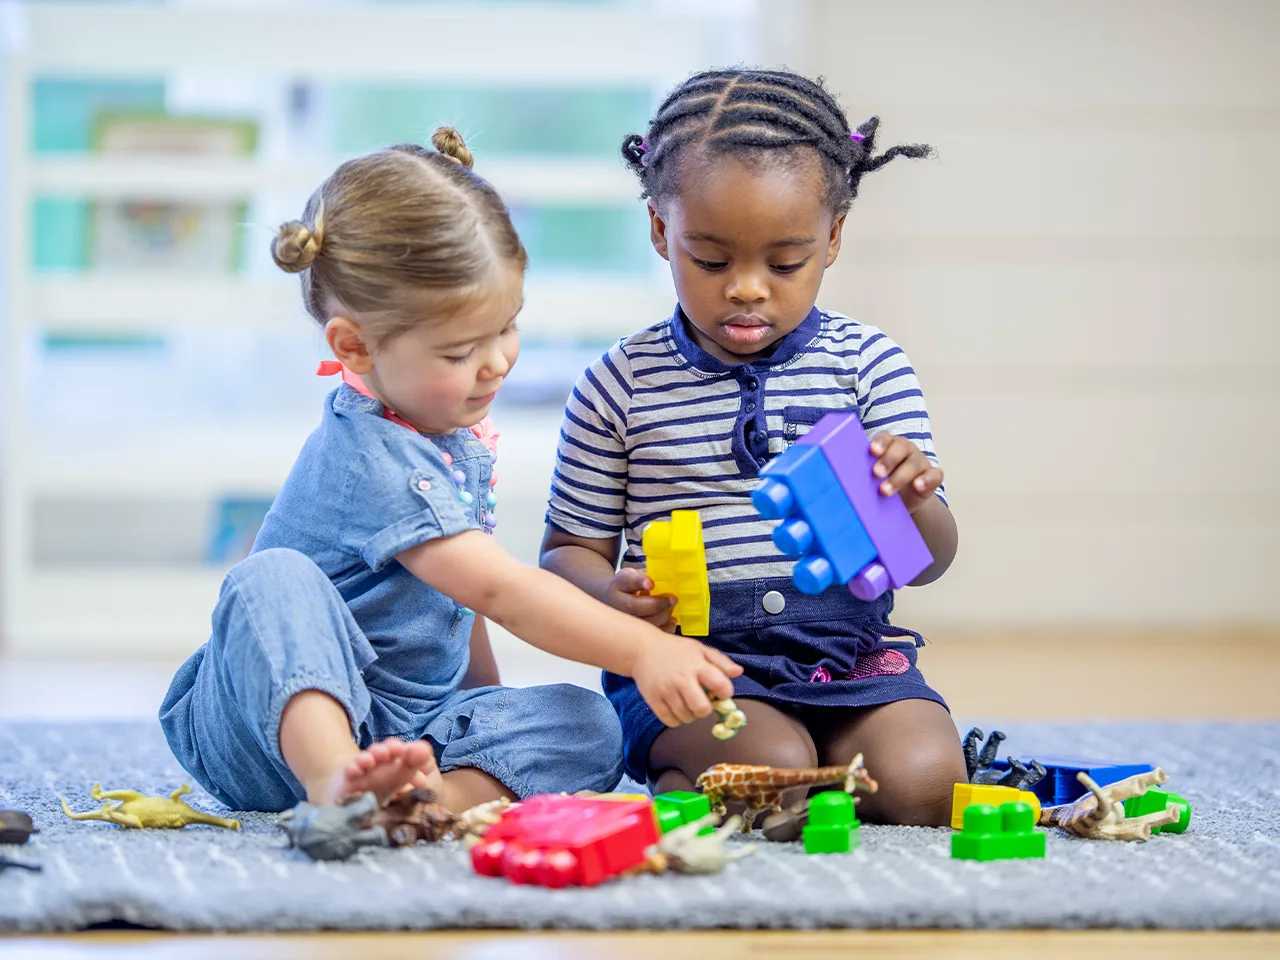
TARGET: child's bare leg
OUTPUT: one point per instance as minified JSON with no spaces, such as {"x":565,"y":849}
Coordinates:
{"x":316,"y":742}
{"x":771,"y":738}
{"x":466,"y":787}
{"x":911,"y":748}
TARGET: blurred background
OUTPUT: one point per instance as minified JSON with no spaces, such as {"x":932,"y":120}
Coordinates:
{"x":1086,"y":279}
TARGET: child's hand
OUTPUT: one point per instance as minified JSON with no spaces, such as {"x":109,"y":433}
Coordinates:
{"x":905,"y":469}
{"x":629,"y":592}
{"x":675,"y":676}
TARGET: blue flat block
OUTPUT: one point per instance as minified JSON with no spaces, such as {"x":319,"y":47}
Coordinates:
{"x":820,"y":501}
{"x":1060,"y":784}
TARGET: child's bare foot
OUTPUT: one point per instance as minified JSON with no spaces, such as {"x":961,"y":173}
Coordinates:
{"x":384,"y":769}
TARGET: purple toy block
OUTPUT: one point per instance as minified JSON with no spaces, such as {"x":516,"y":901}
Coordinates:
{"x":847,"y":448}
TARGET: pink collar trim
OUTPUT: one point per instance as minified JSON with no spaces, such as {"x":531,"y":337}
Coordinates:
{"x":485,"y":430}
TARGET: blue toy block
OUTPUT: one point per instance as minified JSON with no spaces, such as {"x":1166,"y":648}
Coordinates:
{"x":1060,"y":784}
{"x":819,"y":525}
{"x":900,"y":549}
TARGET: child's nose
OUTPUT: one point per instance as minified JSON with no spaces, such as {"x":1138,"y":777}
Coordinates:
{"x":747,"y":286}
{"x":495,"y":363}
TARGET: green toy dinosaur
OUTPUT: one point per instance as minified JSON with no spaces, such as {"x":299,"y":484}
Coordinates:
{"x":136,"y":810}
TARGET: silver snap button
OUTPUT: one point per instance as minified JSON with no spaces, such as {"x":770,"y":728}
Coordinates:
{"x":774,"y":602}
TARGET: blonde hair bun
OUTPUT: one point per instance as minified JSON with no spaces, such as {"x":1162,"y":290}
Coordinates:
{"x":296,"y":245}
{"x":450,"y":143}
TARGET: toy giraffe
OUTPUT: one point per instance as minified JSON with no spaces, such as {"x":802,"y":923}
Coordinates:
{"x":760,"y":788}
{"x":137,"y":810}
{"x":1099,"y":814}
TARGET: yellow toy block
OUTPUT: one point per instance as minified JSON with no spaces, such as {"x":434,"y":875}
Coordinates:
{"x":677,"y":565}
{"x":965,"y":794}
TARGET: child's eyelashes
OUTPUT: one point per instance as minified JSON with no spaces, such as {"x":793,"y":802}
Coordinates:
{"x":715,"y":266}
{"x":711,"y":266}
{"x":461,"y":358}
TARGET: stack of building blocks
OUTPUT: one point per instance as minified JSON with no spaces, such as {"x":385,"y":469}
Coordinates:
{"x":676,"y":562}
{"x":1156,"y":800}
{"x":554,"y":840}
{"x":835,"y":521}
{"x":1060,"y":784}
{"x":965,"y":795}
{"x":833,"y":824}
{"x":1006,"y":832}
{"x":678,"y":807}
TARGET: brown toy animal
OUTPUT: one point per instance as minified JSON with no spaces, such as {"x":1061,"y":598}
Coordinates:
{"x":415,"y":817}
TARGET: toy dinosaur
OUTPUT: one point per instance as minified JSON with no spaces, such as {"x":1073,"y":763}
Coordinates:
{"x":415,"y":816}
{"x":334,"y":831}
{"x":684,"y":851}
{"x":5,"y":863}
{"x":136,"y":810}
{"x":760,"y":788}
{"x":16,"y":827}
{"x":731,"y":719}
{"x":1099,"y":814}
{"x":1019,"y":775}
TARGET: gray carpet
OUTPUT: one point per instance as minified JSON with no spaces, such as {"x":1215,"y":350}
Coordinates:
{"x":1225,"y":872}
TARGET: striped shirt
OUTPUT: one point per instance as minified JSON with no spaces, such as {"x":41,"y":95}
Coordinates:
{"x":658,"y":424}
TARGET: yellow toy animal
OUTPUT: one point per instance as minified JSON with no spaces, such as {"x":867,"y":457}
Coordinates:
{"x":137,"y":810}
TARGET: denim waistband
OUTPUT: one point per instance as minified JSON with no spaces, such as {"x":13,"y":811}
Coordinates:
{"x":740,"y":605}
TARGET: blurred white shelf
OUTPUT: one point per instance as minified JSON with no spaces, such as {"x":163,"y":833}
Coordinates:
{"x":567,"y":306}
{"x":196,"y":461}
{"x":525,"y":180}
{"x":142,"y":610}
{"x":458,"y":43}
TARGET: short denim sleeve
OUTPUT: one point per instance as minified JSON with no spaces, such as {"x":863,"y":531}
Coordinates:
{"x":401,"y":493}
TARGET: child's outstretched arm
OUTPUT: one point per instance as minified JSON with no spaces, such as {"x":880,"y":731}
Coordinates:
{"x":588,"y":563}
{"x":673,"y":673}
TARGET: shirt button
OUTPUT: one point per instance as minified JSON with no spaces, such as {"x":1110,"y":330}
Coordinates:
{"x":774,"y":602}
{"x":751,"y":406}
{"x":753,"y":383}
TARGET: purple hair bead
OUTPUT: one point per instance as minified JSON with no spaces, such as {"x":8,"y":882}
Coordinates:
{"x":855,"y":135}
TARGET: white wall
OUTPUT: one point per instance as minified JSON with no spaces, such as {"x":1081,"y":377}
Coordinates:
{"x":1086,"y":280}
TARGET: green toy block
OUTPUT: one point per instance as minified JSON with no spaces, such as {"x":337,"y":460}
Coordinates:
{"x":1004,"y":833}
{"x":833,"y":826}
{"x":831,"y":839}
{"x":1156,"y":800}
{"x":680,"y":807}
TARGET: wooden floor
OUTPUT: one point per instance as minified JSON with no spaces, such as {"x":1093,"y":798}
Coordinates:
{"x":1018,"y":676}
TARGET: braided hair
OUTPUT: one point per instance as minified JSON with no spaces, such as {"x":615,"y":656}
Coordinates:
{"x":752,"y":114}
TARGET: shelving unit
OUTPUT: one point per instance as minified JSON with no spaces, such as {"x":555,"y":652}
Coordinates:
{"x":140,"y":609}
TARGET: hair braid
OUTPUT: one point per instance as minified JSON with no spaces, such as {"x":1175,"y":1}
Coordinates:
{"x":741,"y":112}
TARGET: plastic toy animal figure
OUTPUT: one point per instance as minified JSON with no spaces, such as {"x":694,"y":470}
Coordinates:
{"x":684,"y":851}
{"x":731,"y":719}
{"x":1019,"y":775}
{"x":136,"y":810}
{"x":5,"y":863}
{"x":760,"y":788}
{"x":16,"y":827}
{"x":334,"y":831}
{"x":1099,"y":814}
{"x":415,"y":816}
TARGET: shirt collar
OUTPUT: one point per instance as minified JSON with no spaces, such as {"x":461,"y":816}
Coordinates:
{"x":783,"y":351}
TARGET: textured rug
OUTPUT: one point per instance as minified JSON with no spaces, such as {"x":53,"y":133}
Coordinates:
{"x":1224,"y":872}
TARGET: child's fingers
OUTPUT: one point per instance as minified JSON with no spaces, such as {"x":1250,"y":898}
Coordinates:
{"x":647,"y":608}
{"x":693,"y":699}
{"x":714,"y":681}
{"x":906,"y":472}
{"x":631,"y":580}
{"x":721,"y":660}
{"x":927,"y":482}
{"x":898,"y":451}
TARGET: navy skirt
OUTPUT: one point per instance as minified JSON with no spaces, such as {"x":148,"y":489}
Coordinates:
{"x":797,"y":651}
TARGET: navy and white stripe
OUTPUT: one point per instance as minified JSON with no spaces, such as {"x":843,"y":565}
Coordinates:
{"x":657,"y":424}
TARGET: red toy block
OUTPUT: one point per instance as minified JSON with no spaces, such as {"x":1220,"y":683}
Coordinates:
{"x":553,"y":841}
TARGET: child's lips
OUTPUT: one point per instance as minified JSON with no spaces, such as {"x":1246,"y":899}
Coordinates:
{"x":487,"y":398}
{"x":745,"y":330}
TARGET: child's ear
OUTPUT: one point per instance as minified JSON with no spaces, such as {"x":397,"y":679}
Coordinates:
{"x":347,"y":341}
{"x":658,"y":231}
{"x":833,"y":245}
